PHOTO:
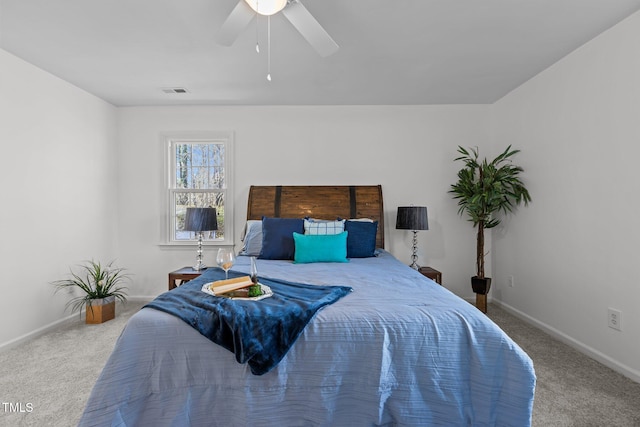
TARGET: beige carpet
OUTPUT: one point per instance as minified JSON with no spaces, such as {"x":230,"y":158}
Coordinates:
{"x":56,"y":372}
{"x":50,"y":377}
{"x":572,"y":389}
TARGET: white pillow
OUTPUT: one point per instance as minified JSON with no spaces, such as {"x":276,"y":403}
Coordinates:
{"x":323,"y":227}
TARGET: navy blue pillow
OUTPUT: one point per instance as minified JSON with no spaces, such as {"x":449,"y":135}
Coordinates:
{"x":277,"y":237}
{"x":361,"y":240}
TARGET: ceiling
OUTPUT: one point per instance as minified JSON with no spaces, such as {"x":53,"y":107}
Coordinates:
{"x":401,"y":52}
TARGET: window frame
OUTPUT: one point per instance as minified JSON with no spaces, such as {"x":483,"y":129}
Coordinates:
{"x":169,"y":140}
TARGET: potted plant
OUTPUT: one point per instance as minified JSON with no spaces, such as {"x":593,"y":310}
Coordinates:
{"x":485,"y":188}
{"x":100,"y":287}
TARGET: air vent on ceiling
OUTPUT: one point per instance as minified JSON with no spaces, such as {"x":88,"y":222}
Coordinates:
{"x":174,"y":90}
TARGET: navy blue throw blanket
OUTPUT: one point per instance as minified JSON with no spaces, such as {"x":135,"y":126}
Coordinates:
{"x":259,"y":332}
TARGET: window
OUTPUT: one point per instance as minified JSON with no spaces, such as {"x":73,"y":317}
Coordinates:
{"x":199,"y":175}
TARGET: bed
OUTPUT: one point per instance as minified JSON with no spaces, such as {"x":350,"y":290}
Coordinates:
{"x":396,"y":350}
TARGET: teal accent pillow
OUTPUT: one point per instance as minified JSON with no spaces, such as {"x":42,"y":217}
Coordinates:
{"x":320,"y":248}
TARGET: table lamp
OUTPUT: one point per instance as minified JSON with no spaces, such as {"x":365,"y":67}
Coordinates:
{"x":413,"y":218}
{"x":200,"y":220}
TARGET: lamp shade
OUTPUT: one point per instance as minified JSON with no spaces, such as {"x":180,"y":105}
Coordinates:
{"x":412,"y":218}
{"x":200,"y":219}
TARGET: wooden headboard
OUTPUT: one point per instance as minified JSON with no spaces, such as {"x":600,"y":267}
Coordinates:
{"x":318,"y":201}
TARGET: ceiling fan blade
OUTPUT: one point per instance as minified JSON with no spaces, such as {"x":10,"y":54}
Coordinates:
{"x":237,"y":21}
{"x":310,"y":29}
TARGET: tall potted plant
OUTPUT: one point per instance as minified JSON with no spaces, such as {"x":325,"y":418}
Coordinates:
{"x":484,"y":189}
{"x":100,"y":287}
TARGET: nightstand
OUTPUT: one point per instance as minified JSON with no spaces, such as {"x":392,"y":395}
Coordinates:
{"x":178,"y":277}
{"x":432,"y":274}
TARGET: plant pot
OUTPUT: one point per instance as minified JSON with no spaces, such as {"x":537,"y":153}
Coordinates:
{"x":481,"y":285}
{"x":101,"y":310}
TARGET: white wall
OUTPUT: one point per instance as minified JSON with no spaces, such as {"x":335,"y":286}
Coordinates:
{"x":575,"y":250}
{"x":58,"y":199}
{"x":408,"y":150}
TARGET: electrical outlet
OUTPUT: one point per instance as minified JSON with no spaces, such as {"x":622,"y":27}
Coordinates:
{"x":510,"y":281}
{"x":614,"y":319}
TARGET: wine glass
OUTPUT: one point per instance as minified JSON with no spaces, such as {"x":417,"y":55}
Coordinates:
{"x":225,"y":259}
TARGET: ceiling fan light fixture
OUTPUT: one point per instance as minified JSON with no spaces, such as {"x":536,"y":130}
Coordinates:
{"x":266,"y":7}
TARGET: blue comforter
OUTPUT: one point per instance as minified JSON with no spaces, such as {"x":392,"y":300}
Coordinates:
{"x":399,"y":350}
{"x":258,"y":332}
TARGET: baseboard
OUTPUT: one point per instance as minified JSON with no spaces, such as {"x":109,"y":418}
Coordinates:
{"x":621,"y":368}
{"x":38,"y":332}
{"x":141,"y":298}
{"x":59,"y":323}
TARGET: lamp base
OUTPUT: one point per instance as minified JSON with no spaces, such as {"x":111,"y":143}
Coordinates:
{"x":199,"y":264}
{"x":414,"y":254}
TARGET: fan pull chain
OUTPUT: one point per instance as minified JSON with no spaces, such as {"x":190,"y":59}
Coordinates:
{"x":257,"y":44}
{"x":269,"y":48}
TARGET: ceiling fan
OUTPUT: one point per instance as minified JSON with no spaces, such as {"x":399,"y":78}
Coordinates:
{"x":293,"y":10}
